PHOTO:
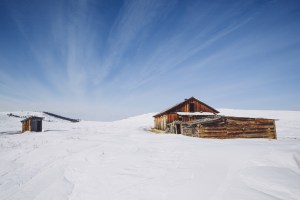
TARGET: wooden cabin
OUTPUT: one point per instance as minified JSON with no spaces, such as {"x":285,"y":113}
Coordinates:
{"x":188,"y":110}
{"x":195,"y":118}
{"x":32,"y":123}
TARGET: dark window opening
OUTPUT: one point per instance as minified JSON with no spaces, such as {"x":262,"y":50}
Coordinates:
{"x":192,"y":107}
{"x":39,"y":126}
{"x":178,"y":129}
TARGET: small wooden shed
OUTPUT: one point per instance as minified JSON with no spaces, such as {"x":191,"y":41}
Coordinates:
{"x":32,"y":123}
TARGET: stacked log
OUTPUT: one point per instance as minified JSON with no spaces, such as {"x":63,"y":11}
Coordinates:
{"x":231,"y":127}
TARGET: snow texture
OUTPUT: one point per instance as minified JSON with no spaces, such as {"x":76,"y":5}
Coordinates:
{"x":122,"y":160}
{"x":195,"y":113}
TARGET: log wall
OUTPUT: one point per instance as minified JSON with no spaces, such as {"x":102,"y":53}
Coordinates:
{"x":233,"y":127}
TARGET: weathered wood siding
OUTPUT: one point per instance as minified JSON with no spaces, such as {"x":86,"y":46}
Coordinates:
{"x":161,"y":122}
{"x":172,"y":117}
{"x":26,"y":126}
{"x":233,"y":127}
{"x":198,"y":107}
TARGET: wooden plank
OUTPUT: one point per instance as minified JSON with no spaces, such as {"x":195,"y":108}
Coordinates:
{"x":247,"y":118}
{"x":251,"y":129}
{"x":239,"y":128}
{"x":250,"y":125}
{"x":247,"y":123}
{"x":224,"y":136}
{"x":248,"y":132}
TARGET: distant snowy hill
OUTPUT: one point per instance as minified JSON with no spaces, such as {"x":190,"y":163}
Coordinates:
{"x":11,"y":121}
{"x":121,"y":160}
{"x":24,"y":114}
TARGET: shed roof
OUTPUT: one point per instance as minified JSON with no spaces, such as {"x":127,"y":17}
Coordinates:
{"x":179,"y":104}
{"x":33,"y":117}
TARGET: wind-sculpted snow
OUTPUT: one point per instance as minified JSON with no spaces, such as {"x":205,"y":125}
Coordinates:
{"x":121,"y":160}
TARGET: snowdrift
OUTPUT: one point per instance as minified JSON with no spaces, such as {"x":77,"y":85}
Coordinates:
{"x":121,"y":160}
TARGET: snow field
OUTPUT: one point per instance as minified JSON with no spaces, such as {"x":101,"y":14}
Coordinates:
{"x":120,"y":160}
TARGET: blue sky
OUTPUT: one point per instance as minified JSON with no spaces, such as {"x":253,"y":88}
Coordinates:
{"x":108,"y":60}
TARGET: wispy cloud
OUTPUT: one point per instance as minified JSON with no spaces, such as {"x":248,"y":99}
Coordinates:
{"x":195,"y":35}
{"x":131,"y":26}
{"x":101,"y":54}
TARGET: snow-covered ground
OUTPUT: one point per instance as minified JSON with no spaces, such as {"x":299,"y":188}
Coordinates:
{"x":121,"y":160}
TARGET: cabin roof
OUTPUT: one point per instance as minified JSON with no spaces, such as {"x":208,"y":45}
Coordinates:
{"x":179,"y":104}
{"x":32,"y":117}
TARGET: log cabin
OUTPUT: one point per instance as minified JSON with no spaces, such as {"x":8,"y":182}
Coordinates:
{"x":188,"y":110}
{"x":195,"y":118}
{"x":32,"y":123}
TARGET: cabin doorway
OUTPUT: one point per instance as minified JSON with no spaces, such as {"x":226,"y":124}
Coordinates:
{"x":39,"y":125}
{"x":178,"y":129}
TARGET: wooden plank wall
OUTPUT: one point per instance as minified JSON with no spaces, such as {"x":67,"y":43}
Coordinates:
{"x":172,"y":117}
{"x":26,"y":125}
{"x":235,"y":127}
{"x":161,"y":122}
{"x":198,"y":107}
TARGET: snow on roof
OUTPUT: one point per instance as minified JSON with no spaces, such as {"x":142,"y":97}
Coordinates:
{"x":32,"y":117}
{"x":195,"y":113}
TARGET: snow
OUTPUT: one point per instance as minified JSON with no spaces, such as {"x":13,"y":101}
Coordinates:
{"x":195,"y":113}
{"x":122,"y":160}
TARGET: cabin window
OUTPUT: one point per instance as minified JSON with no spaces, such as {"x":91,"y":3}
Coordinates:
{"x":192,"y":107}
